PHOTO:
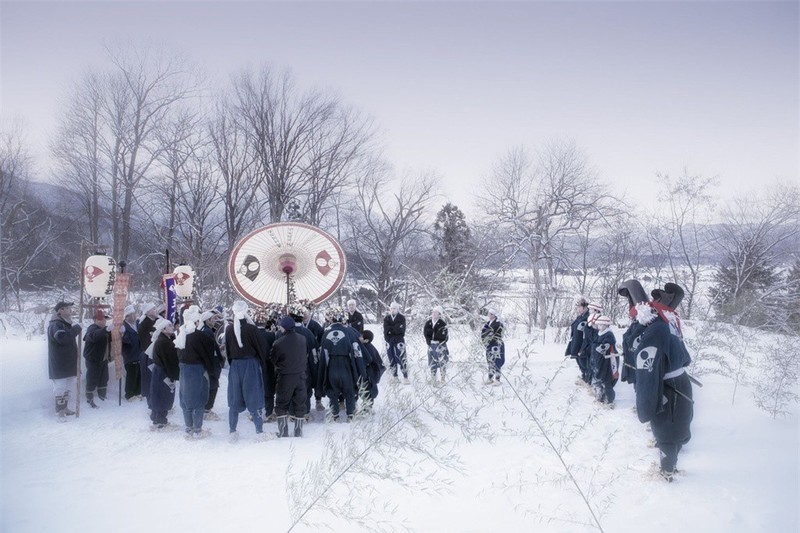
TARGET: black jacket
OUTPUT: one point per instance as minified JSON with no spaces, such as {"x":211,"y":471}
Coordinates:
{"x":435,"y":332}
{"x":165,"y":355}
{"x":62,"y":351}
{"x":253,"y":344}
{"x":394,"y":328}
{"x":97,"y":344}
{"x":145,"y":331}
{"x":199,"y":351}
{"x":131,"y":352}
{"x":289,"y":353}
{"x":316,"y":328}
{"x":356,"y":320}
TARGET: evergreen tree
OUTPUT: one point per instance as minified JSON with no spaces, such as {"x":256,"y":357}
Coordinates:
{"x":451,"y":236}
{"x":746,"y":289}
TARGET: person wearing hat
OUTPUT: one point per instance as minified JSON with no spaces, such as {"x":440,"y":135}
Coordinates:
{"x":210,"y":321}
{"x":342,"y":364}
{"x":62,"y":357}
{"x":246,"y":351}
{"x":131,"y":355}
{"x":492,"y":337}
{"x":633,"y":291}
{"x":604,"y":361}
{"x":196,"y":363}
{"x":96,"y":352}
{"x":663,"y":388}
{"x":290,"y":356}
{"x":394,"y":333}
{"x":166,"y":373}
{"x":297,"y":312}
{"x":589,"y":336}
{"x":577,"y":330}
{"x":435,"y":333}
{"x":145,"y":328}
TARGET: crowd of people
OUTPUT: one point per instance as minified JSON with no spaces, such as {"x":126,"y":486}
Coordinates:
{"x":654,"y":361}
{"x":278,"y":358}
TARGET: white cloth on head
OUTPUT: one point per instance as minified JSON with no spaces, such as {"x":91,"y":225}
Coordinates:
{"x":206,"y":315}
{"x":239,"y":312}
{"x":160,"y":324}
{"x":438,"y":309}
{"x":395,"y":306}
{"x":190,"y":318}
{"x":145,"y":309}
{"x":129,"y":310}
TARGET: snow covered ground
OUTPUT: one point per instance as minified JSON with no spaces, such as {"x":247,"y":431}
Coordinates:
{"x":458,"y":457}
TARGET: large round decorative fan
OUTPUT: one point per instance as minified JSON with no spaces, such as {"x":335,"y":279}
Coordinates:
{"x":287,"y":261}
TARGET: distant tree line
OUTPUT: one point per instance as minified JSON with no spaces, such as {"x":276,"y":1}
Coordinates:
{"x":149,"y":157}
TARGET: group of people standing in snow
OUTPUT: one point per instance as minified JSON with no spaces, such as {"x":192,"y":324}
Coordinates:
{"x":278,"y":358}
{"x":654,"y":361}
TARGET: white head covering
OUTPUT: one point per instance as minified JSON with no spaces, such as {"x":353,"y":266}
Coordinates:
{"x":145,"y":309}
{"x":206,"y":315}
{"x":129,"y":310}
{"x":160,"y":324}
{"x":190,"y":318}
{"x":240,"y":311}
{"x":492,"y":311}
{"x":438,"y":309}
{"x":395,"y":307}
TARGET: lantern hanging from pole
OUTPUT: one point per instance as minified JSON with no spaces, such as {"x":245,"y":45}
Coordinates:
{"x":99,"y":273}
{"x":184,"y":281}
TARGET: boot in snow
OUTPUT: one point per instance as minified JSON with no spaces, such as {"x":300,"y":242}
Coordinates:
{"x":283,"y":426}
{"x":319,"y":406}
{"x":298,"y":427}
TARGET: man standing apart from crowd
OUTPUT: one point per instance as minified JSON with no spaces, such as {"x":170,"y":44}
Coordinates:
{"x":62,"y":356}
{"x":394,"y":333}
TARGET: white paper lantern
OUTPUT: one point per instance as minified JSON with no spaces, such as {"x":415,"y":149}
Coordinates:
{"x":184,"y":281}
{"x":99,"y":273}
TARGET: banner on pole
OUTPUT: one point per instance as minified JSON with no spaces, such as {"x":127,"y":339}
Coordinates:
{"x":120,"y":299}
{"x":168,"y":284}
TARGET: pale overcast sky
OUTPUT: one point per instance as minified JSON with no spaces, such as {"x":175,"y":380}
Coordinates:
{"x":643,"y":87}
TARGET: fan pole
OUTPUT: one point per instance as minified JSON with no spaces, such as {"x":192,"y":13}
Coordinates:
{"x":288,"y":288}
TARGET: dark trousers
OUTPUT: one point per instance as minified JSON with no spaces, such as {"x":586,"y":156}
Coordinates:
{"x":292,"y":390}
{"x":96,"y":379}
{"x":133,"y":380}
{"x":397,"y":356}
{"x":583,"y":365}
{"x":671,"y":427}
{"x":270,"y":380}
{"x":213,"y":387}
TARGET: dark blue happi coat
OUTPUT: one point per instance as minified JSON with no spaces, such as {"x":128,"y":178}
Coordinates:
{"x":630,"y":343}
{"x":603,"y":357}
{"x":577,"y":329}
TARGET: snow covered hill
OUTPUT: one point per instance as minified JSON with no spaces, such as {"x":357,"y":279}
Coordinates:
{"x":525,"y":456}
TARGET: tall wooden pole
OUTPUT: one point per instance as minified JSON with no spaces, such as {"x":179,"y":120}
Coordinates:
{"x":80,"y":336}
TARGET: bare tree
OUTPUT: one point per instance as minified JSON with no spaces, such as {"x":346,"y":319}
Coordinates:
{"x":282,"y":126}
{"x":78,"y":148}
{"x":240,"y":183}
{"x":684,"y":235}
{"x":146,"y":85}
{"x":759,"y":233}
{"x":26,"y":230}
{"x":338,"y":146}
{"x":385,"y":217}
{"x":538,"y":205}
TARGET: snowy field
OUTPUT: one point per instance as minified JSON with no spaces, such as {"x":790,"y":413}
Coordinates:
{"x":453,"y":457}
